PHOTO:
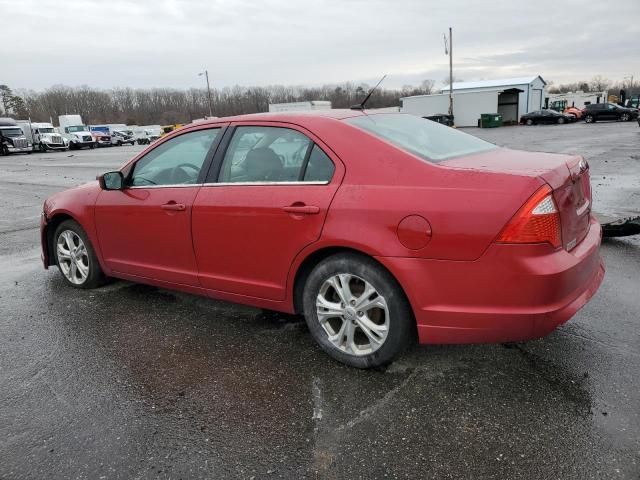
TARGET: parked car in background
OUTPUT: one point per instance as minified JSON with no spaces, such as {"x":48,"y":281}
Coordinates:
{"x":375,"y":227}
{"x":12,"y":138}
{"x":576,"y":112}
{"x":442,"y":118}
{"x":608,"y":111}
{"x":547,"y":116}
{"x":43,"y":136}
{"x":102,"y":138}
{"x":119,"y":137}
{"x":76,"y":132}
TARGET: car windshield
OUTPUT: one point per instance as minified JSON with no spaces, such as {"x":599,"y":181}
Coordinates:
{"x":45,"y":129}
{"x":428,"y":140}
{"x":76,"y":128}
{"x":11,"y":132}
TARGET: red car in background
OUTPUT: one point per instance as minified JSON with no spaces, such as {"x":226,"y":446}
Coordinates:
{"x":375,"y":227}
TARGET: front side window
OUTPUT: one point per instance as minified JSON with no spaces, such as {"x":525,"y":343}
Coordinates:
{"x":264,"y":154}
{"x":428,"y":140}
{"x":175,"y":162}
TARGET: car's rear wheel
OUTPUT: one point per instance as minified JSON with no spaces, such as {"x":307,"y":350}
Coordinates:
{"x":75,"y":256}
{"x":589,"y":119}
{"x":356,"y":311}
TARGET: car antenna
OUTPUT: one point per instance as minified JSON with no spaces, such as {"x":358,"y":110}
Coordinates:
{"x":361,"y":105}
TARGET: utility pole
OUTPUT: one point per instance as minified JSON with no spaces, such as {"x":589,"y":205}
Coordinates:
{"x":206,"y":75}
{"x":448,"y":48}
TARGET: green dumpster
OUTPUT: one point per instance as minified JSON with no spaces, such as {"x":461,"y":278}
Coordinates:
{"x":490,"y":120}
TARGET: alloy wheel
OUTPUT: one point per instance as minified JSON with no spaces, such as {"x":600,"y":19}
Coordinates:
{"x":73,"y":257}
{"x":353,"y":314}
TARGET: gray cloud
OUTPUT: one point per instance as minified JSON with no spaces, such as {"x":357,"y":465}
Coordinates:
{"x":167,"y":42}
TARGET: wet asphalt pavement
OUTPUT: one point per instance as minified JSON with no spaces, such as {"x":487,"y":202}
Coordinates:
{"x":130,"y":381}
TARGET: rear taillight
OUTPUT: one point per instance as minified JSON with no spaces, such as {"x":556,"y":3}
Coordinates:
{"x":538,"y":221}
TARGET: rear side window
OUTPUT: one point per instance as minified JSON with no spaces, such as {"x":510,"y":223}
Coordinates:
{"x":428,"y":140}
{"x":320,"y":167}
{"x":259,"y":154}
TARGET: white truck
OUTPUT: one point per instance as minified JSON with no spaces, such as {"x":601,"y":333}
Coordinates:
{"x":12,"y":138}
{"x":43,"y":136}
{"x":76,"y":132}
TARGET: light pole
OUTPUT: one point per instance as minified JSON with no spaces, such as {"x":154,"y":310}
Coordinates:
{"x":448,"y":49}
{"x":206,"y":75}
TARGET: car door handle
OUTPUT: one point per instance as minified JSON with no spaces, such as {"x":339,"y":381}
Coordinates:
{"x":302,"y":209}
{"x":175,"y":207}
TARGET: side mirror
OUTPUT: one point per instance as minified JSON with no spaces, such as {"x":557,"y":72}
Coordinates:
{"x":111,"y":181}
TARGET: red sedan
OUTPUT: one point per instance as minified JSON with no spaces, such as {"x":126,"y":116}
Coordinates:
{"x":375,"y":227}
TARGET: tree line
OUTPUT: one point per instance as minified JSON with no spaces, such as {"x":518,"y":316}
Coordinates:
{"x":596,"y":84}
{"x":141,"y":106}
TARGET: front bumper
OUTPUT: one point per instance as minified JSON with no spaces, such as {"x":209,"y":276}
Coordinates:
{"x":44,"y":244}
{"x":512,"y":293}
{"x":19,"y":149}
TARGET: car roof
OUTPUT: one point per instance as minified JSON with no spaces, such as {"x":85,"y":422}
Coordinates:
{"x":296,"y":117}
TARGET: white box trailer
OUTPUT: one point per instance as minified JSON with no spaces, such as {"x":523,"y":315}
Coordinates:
{"x":300,"y":106}
{"x":467,"y":107}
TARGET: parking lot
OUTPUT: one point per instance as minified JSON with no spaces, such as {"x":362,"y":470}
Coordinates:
{"x":130,"y":381}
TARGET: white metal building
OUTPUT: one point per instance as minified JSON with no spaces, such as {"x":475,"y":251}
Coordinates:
{"x":531,"y":98}
{"x":510,"y":97}
{"x":467,"y":107}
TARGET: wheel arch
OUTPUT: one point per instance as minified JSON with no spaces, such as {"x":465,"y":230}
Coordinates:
{"x":307,"y":265}
{"x":52,"y":224}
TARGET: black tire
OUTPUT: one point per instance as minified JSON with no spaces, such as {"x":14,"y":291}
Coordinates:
{"x":401,"y":322}
{"x":72,"y":146}
{"x":589,"y":119}
{"x":625,"y":117}
{"x":529,"y":121}
{"x":560,"y":121}
{"x":119,"y":143}
{"x":95,"y":276}
{"x":43,"y":147}
{"x":92,"y":146}
{"x":4,"y":151}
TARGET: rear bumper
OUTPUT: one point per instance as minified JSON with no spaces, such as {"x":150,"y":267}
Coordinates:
{"x":512,"y":293}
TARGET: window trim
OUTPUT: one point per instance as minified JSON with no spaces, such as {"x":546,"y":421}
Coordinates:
{"x":215,"y":169}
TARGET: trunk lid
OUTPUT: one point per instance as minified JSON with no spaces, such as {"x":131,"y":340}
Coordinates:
{"x":568,"y":176}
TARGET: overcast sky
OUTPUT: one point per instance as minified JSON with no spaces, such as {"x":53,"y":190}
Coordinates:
{"x":165,"y":43}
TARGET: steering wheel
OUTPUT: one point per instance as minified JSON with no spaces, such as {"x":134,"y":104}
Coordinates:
{"x":180,"y":175}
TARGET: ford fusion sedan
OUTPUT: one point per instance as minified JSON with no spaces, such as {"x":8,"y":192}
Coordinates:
{"x":376,"y":227}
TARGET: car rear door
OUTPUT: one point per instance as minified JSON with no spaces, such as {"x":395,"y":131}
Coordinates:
{"x":145,"y":229}
{"x":265,"y":199}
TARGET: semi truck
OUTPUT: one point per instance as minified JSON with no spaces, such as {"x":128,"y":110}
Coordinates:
{"x":12,"y":138}
{"x":76,"y":132}
{"x":43,"y":136}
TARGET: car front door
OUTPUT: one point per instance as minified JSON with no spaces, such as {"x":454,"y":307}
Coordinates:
{"x":263,"y":204}
{"x":145,"y":229}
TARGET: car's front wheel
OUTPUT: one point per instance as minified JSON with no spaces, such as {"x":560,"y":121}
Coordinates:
{"x":529,"y":121}
{"x":356,"y":311}
{"x":75,"y":256}
{"x":625,"y":117}
{"x":561,"y":120}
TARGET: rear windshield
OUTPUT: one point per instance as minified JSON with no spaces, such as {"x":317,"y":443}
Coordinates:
{"x":425,"y":138}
